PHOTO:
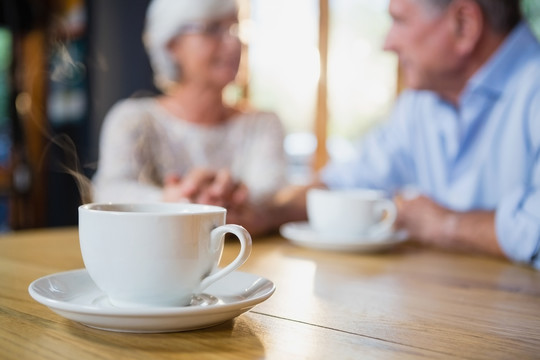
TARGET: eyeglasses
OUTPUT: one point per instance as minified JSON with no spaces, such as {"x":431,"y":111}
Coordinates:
{"x":214,"y":29}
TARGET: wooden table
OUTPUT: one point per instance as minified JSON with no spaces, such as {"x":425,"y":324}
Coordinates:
{"x":406,"y":303}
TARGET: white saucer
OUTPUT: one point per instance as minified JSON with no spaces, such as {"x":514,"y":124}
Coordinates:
{"x":301,"y":234}
{"x":74,"y":295}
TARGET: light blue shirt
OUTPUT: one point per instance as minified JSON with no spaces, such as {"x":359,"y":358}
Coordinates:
{"x":484,"y":154}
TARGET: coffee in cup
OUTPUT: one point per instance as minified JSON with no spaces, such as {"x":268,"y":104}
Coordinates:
{"x":350,"y":213}
{"x":158,"y":254}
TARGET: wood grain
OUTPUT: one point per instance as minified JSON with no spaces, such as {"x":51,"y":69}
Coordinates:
{"x":408,"y":303}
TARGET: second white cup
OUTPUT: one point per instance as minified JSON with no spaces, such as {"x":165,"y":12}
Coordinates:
{"x":357,"y":212}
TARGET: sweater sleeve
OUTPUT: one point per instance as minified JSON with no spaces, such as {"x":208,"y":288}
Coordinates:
{"x":125,"y":147}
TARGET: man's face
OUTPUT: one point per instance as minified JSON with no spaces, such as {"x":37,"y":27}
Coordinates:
{"x":421,"y":36}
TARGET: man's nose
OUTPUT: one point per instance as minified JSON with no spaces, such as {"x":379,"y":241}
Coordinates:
{"x":389,"y":41}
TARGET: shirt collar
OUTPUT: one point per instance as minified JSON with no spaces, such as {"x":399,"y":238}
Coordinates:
{"x":495,"y":74}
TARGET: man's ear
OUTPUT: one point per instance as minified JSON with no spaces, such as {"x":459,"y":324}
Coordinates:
{"x":468,"y":24}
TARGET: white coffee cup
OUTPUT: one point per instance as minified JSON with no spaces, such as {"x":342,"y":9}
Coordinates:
{"x":353,"y":213}
{"x":158,"y":254}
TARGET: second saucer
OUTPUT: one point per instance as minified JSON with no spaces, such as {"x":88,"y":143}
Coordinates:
{"x":301,"y":234}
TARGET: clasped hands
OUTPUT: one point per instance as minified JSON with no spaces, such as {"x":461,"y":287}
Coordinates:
{"x":424,"y":219}
{"x":204,"y":186}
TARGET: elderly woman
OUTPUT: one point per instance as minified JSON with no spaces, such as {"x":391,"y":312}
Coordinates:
{"x":166,"y":148}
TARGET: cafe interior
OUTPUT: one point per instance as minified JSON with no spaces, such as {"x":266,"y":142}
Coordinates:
{"x":65,"y":63}
{"x":322,"y":70}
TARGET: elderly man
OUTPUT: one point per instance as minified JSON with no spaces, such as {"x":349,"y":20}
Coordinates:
{"x":465,"y":136}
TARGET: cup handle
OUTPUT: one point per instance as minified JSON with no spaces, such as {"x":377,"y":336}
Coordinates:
{"x":216,"y":237}
{"x":389,"y":207}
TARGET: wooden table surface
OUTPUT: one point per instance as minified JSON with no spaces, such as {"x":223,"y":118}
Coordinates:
{"x":409,"y":302}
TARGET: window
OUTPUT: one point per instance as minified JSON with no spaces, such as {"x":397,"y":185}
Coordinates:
{"x":362,"y":78}
{"x":285,"y":62}
{"x":360,"y":82}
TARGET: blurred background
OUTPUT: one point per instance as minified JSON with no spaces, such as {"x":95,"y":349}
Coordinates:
{"x":63,"y":63}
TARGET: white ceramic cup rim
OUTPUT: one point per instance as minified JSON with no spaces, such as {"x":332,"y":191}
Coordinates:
{"x":146,"y":209}
{"x":364,"y":194}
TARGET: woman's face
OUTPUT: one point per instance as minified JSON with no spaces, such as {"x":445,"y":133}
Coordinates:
{"x":208,"y":53}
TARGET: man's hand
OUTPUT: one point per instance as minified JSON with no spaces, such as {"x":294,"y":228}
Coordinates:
{"x":287,"y":204}
{"x":432,"y":224}
{"x":256,"y":219}
{"x":425,"y":220}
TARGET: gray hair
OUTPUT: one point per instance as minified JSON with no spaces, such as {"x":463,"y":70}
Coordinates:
{"x":164,"y":19}
{"x":502,"y":15}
